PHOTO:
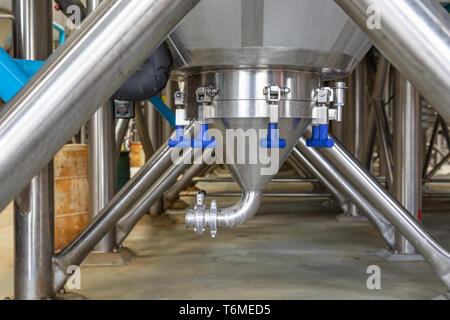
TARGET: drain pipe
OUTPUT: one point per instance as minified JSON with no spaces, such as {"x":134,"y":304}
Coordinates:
{"x":213,"y":218}
{"x":241,"y":212}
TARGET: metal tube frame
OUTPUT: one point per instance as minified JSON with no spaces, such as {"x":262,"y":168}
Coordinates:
{"x":380,"y":199}
{"x":46,"y":106}
{"x":297,"y":195}
{"x":407,"y":178}
{"x":380,"y":223}
{"x":341,"y":199}
{"x":172,"y":194}
{"x":34,"y":207}
{"x":116,"y":209}
{"x":120,"y":132}
{"x":81,"y":75}
{"x":144,"y":135}
{"x":415,"y":36}
{"x":383,"y":133}
{"x":153,"y":194}
{"x":102,"y":160}
{"x":354,"y":121}
{"x":430,"y":148}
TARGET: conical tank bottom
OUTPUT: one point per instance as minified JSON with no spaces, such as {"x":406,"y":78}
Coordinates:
{"x":252,"y":165}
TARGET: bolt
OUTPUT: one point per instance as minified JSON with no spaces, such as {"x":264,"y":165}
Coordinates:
{"x":286,"y":90}
{"x":340,"y":85}
{"x":211,"y":91}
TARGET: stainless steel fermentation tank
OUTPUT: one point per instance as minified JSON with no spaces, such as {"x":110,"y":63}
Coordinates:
{"x":307,"y":35}
{"x":259,"y":62}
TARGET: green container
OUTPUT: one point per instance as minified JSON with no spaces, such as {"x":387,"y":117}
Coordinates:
{"x":123,"y":170}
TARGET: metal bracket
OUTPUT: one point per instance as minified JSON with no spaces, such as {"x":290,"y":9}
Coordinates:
{"x":180,"y":117}
{"x":324,"y":96}
{"x":213,"y":218}
{"x":202,"y":217}
{"x":179,"y":97}
{"x":205,"y":94}
{"x":273,"y":93}
{"x":199,"y":213}
{"x":322,"y":114}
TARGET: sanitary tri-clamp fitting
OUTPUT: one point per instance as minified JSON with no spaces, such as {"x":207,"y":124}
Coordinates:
{"x":200,"y":217}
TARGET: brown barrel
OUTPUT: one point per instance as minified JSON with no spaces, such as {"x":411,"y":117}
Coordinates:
{"x":137,"y":156}
{"x":71,"y":193}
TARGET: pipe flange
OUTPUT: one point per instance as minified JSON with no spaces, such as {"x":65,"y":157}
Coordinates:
{"x":196,"y":217}
{"x":200,"y":217}
{"x":213,"y":218}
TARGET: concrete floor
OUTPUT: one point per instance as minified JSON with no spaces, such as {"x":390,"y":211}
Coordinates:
{"x":292,"y":249}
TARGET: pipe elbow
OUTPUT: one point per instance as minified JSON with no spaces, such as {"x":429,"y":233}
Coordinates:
{"x":241,"y":212}
{"x":200,"y":218}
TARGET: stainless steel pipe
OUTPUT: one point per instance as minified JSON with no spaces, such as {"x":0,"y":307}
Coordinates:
{"x":339,"y":196}
{"x":264,"y":195}
{"x":120,"y":132}
{"x":153,"y":194}
{"x":199,"y":218}
{"x":415,"y":36}
{"x":377,"y":197}
{"x":355,"y":114}
{"x":372,"y":123}
{"x":239,"y":213}
{"x":153,"y":123}
{"x":34,"y":207}
{"x":102,"y":159}
{"x":297,"y":195}
{"x":299,"y":170}
{"x":102,"y":168}
{"x":286,"y":180}
{"x":34,"y":239}
{"x":407,"y":162}
{"x":85,"y":71}
{"x":154,"y":127}
{"x":338,"y":181}
{"x":383,"y":134}
{"x":141,"y":127}
{"x":172,"y":194}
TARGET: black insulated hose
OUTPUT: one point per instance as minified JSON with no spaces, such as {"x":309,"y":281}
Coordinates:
{"x":151,"y":77}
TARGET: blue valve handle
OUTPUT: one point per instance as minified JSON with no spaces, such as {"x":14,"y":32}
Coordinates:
{"x":203,"y":139}
{"x":273,"y":139}
{"x":180,"y":141}
{"x":320,"y":138}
